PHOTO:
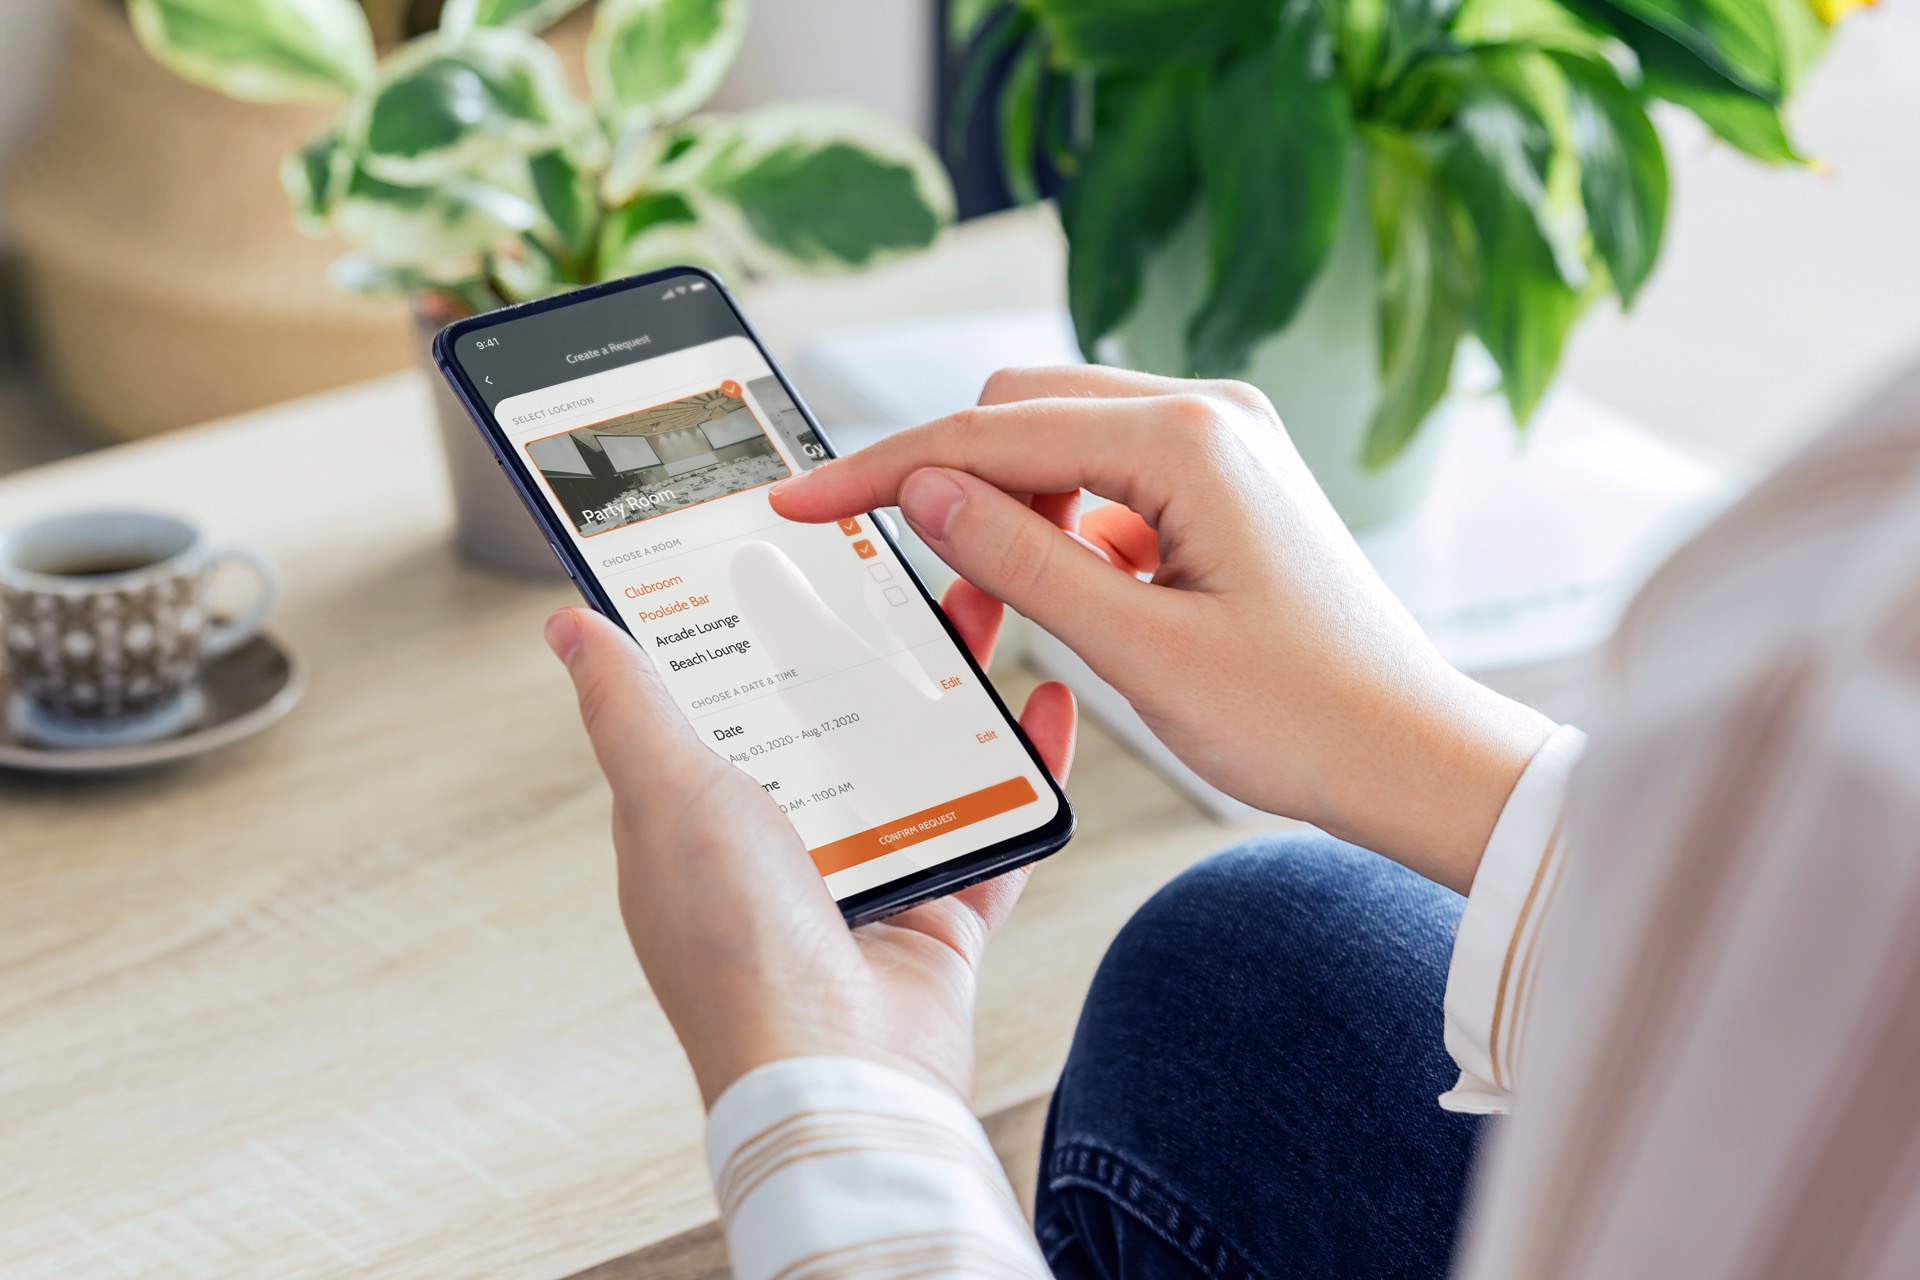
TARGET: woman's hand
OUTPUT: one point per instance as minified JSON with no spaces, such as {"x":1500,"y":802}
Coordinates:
{"x":1264,"y":651}
{"x":744,"y":947}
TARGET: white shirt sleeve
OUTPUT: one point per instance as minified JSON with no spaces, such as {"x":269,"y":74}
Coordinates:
{"x":839,"y":1166}
{"x":1496,"y":952}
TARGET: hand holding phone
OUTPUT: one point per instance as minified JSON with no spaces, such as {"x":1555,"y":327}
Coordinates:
{"x":738,"y":935}
{"x":645,"y":427}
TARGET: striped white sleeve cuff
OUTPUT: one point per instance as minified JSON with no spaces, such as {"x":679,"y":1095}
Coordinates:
{"x":840,"y":1167}
{"x":1496,"y":953}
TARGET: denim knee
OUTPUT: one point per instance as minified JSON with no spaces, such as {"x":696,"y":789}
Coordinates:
{"x":1343,"y":926}
{"x":1255,"y":1073}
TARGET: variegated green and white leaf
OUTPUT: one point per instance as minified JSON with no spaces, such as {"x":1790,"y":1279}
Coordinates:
{"x":814,"y":186}
{"x":526,"y":274}
{"x":670,"y":244}
{"x":447,"y":106}
{"x":643,"y":214}
{"x":649,"y":158}
{"x":635,"y":152}
{"x":529,"y":15}
{"x":658,"y":60}
{"x":422,"y":227}
{"x":260,"y":50}
{"x":569,"y":208}
{"x":315,"y":177}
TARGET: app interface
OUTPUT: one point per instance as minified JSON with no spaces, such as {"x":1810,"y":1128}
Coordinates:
{"x":802,"y":653}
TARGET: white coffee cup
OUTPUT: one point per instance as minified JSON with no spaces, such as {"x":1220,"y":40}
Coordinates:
{"x":106,"y":617}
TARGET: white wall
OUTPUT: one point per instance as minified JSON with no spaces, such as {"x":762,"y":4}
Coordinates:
{"x":1781,"y":294}
{"x":880,"y":52}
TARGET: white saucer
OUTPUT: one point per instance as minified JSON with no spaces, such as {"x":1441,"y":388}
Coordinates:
{"x":240,"y":694}
{"x":28,"y":721}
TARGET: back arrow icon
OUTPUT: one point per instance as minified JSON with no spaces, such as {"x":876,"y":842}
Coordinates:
{"x":489,"y":379}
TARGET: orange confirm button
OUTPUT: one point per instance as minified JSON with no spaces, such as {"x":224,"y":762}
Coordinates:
{"x":864,"y":549}
{"x":865,"y":846}
{"x":730,"y":389}
{"x":849,"y":527}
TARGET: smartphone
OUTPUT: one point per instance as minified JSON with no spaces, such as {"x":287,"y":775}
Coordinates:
{"x":643,"y":422}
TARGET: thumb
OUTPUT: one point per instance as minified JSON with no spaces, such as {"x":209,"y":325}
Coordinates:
{"x":1014,"y":553}
{"x":636,"y":729}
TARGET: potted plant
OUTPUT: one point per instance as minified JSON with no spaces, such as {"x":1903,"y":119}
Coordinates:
{"x":1325,"y":197}
{"x":463,"y":171}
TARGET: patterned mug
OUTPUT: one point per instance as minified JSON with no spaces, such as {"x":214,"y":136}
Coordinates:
{"x":106,"y":616}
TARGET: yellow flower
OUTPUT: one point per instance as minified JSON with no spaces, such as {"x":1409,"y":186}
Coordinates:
{"x":1831,"y":11}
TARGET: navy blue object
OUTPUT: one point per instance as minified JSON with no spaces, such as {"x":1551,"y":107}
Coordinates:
{"x":1251,"y":1092}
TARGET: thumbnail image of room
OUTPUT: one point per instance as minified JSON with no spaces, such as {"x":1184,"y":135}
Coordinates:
{"x":666,"y":458}
{"x":786,"y":419}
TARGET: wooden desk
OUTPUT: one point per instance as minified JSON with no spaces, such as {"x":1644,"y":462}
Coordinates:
{"x":353,"y":998}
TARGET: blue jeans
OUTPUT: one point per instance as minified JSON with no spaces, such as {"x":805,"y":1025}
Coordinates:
{"x":1251,"y":1090}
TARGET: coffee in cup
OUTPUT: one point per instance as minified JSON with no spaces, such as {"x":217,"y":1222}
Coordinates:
{"x":107,"y":621}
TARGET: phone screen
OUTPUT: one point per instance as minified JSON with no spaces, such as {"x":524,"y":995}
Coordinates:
{"x":652,"y":426}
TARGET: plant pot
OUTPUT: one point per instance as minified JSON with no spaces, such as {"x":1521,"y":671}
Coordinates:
{"x":1322,"y":371}
{"x":164,"y":279}
{"x":492,"y":527}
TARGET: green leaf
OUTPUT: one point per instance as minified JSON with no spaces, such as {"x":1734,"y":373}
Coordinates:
{"x":1359,"y":29}
{"x":986,"y":59}
{"x":525,"y":271}
{"x":1497,"y":164}
{"x":1069,"y":127}
{"x":1427,"y":289}
{"x":1739,"y":118}
{"x":1272,"y":139}
{"x":570,"y":206}
{"x":1623,"y":172}
{"x":814,"y":186}
{"x":1725,"y":43}
{"x":1743,"y":113}
{"x":314,"y":178}
{"x":1541,"y":24}
{"x":966,"y":17}
{"x":529,"y":15}
{"x":658,"y":60}
{"x":260,"y":50}
{"x":1408,"y":28}
{"x":426,"y":227}
{"x":659,"y":230}
{"x":1112,"y":34}
{"x":1525,"y":94}
{"x":1020,"y":123}
{"x":628,"y":222}
{"x":447,"y":106}
{"x":1135,"y":184}
{"x":1803,"y":36}
{"x":1738,"y":38}
{"x":629,"y":167}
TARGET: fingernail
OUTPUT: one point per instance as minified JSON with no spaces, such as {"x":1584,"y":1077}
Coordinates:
{"x":799,"y":479}
{"x":563,"y":634}
{"x":930,"y":500}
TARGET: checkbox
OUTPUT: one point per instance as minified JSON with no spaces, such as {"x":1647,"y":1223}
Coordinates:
{"x":880,"y":573}
{"x":849,"y":527}
{"x":865,"y":550}
{"x":896,"y":596}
